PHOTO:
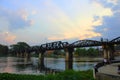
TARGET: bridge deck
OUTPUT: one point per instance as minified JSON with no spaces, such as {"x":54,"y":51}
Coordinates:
{"x":111,"y":69}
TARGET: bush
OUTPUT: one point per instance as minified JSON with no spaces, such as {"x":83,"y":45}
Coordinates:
{"x":66,"y":75}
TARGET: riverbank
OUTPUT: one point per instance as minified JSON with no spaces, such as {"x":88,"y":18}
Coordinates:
{"x":81,"y":59}
{"x":66,"y":75}
{"x":87,"y":59}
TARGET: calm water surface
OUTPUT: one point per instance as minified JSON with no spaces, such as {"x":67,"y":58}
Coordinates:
{"x":31,"y":66}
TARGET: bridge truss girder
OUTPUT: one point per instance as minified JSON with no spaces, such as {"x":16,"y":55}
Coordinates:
{"x":85,"y":43}
{"x":115,"y":41}
{"x":54,"y":45}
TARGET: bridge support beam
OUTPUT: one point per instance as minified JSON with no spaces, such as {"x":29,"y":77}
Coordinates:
{"x":26,"y":55}
{"x":69,"y":58}
{"x":111,"y":52}
{"x":21,"y":54}
{"x":41,"y":59}
{"x":108,"y":52}
{"x":18,"y":54}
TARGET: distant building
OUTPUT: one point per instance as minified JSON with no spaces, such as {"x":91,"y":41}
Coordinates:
{"x":49,"y":52}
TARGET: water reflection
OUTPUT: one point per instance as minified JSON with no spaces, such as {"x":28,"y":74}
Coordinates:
{"x":83,"y":65}
{"x":68,"y":65}
{"x":7,"y":67}
{"x":32,"y":66}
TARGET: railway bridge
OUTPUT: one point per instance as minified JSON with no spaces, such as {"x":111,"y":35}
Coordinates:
{"x":107,"y":46}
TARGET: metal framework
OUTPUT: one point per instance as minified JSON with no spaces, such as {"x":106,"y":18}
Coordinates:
{"x":54,"y":45}
{"x":62,"y":45}
{"x":115,"y":41}
{"x":85,"y":43}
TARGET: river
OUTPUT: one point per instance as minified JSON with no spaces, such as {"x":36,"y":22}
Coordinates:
{"x":31,"y":66}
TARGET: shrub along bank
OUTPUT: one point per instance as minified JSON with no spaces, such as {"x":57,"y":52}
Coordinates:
{"x":66,"y":75}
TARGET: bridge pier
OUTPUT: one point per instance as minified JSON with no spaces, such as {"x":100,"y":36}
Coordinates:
{"x":111,"y":52}
{"x":69,"y":58}
{"x":41,"y":59}
{"x":26,"y":55}
{"x":18,"y":54}
{"x":21,"y":54}
{"x":108,"y":52}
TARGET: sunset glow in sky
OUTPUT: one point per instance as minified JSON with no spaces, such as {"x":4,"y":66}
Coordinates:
{"x":41,"y":21}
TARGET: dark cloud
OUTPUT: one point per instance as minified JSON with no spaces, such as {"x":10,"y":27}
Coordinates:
{"x":111,"y":25}
{"x":14,"y":19}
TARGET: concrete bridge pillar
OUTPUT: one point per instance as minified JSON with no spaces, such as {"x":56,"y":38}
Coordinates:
{"x":105,"y":51}
{"x":69,"y":58}
{"x":111,"y":52}
{"x":26,"y":55}
{"x":108,"y":51}
{"x":21,"y":54}
{"x":41,"y":59}
{"x":18,"y":54}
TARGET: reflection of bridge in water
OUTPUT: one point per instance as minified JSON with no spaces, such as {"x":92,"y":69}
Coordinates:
{"x":107,"y":46}
{"x":31,"y":65}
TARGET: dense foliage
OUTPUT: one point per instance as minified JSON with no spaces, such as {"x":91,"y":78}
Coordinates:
{"x":20,"y":47}
{"x":66,"y":75}
{"x":3,"y":50}
{"x":91,"y":52}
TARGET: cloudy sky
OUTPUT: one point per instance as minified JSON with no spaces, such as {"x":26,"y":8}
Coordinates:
{"x":41,"y":21}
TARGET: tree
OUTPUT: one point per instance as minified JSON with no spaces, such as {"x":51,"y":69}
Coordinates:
{"x":58,"y":53}
{"x":3,"y":49}
{"x":80,"y":52}
{"x":20,"y":47}
{"x":91,"y":52}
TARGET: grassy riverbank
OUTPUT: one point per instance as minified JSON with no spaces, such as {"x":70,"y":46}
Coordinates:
{"x":66,"y":75}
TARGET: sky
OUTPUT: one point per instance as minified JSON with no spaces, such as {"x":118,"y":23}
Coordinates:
{"x":41,"y":21}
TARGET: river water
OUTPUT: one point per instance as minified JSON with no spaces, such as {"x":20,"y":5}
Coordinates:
{"x":31,"y":66}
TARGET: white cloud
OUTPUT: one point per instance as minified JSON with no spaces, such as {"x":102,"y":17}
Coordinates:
{"x":82,"y":26}
{"x":115,"y":2}
{"x":13,"y":20}
{"x":110,"y":27}
{"x":54,"y":20}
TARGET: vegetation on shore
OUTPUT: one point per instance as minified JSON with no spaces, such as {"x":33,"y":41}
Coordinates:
{"x":3,"y":50}
{"x":90,"y":52}
{"x":66,"y":75}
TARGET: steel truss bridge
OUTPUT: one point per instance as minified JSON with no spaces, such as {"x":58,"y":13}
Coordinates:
{"x":80,"y":43}
{"x":108,"y":49}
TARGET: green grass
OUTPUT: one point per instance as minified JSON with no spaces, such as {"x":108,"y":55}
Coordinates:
{"x":66,"y":75}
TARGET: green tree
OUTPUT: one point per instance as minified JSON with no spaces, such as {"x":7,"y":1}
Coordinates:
{"x":20,"y":47}
{"x":80,"y":52}
{"x":3,"y":50}
{"x":56,"y":52}
{"x":59,"y":53}
{"x":92,"y":52}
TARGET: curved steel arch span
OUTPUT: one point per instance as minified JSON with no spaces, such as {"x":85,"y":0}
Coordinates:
{"x":116,"y":40}
{"x":86,"y":43}
{"x":57,"y":45}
